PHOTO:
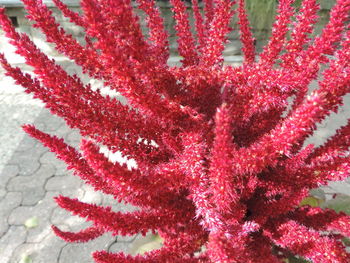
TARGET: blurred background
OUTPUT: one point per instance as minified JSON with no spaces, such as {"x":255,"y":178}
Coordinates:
{"x":261,"y":14}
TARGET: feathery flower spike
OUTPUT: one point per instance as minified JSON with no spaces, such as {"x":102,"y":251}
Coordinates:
{"x":221,"y":164}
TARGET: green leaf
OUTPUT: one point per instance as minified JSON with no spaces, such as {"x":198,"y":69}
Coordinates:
{"x":25,"y":259}
{"x":31,"y":222}
{"x":149,"y":246}
{"x":297,"y":4}
{"x":147,"y":243}
{"x":341,"y":202}
{"x":158,"y":238}
{"x":346,"y":241}
{"x":311,"y":201}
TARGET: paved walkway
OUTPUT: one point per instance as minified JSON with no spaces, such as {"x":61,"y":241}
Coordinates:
{"x":30,"y":177}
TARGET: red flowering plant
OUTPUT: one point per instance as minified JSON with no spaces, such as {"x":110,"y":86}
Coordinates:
{"x":220,"y":157}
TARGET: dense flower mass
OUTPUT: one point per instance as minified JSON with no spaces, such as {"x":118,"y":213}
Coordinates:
{"x":221,"y":163}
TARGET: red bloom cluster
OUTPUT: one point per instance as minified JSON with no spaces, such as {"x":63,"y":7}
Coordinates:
{"x":221,"y":161}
